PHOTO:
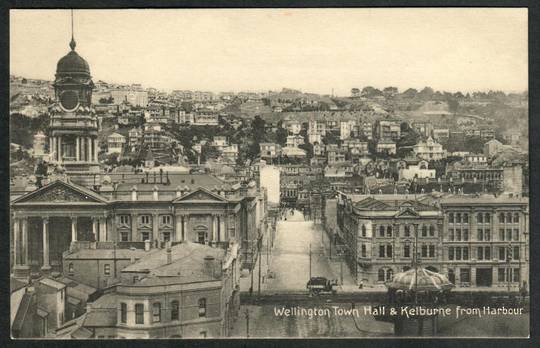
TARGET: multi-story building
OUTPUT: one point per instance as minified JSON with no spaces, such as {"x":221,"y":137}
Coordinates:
{"x":492,"y":147}
{"x":294,"y":140}
{"x":485,"y":240}
{"x":386,"y":146}
{"x":187,"y":290}
{"x":441,"y":134}
{"x":132,"y":208}
{"x":270,"y":150}
{"x":316,"y":131}
{"x":425,"y":129}
{"x":115,"y":143}
{"x":387,"y":129}
{"x":429,"y":150}
{"x":476,"y":240}
{"x":381,"y":233}
{"x":135,"y":136}
{"x":133,"y":96}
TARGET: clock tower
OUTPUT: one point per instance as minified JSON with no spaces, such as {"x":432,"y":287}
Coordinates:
{"x":73,"y":128}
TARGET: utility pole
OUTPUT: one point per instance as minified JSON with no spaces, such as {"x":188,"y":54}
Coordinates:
{"x":415,"y":263}
{"x":247,"y":322}
{"x":341,"y":270}
{"x":309,"y":260}
{"x":259,"y":259}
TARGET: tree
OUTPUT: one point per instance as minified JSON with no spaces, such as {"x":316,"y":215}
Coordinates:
{"x":281,"y":134}
{"x":390,"y":91}
{"x":410,"y":93}
{"x":426,"y":93}
{"x":371,"y":92}
{"x":258,"y":129}
{"x":355,"y":92}
{"x":453,"y":104}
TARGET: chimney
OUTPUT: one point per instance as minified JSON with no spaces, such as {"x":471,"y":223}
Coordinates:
{"x":147,"y":245}
{"x":156,"y":193}
{"x":169,"y":255}
{"x":134,"y":193}
{"x":132,"y":255}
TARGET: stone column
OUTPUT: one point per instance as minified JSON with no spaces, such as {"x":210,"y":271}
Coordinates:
{"x":24,"y":240}
{"x":178,"y":230}
{"x":52,"y":150}
{"x":74,"y":229}
{"x":221,"y":228}
{"x":95,"y":142}
{"x":184,"y":227}
{"x":155,"y":227}
{"x":60,"y":159}
{"x":16,"y":242}
{"x":133,"y":227}
{"x":77,"y":149}
{"x":214,"y":228}
{"x":102,"y":229}
{"x":95,"y":229}
{"x":88,"y":150}
{"x":46,"y":266}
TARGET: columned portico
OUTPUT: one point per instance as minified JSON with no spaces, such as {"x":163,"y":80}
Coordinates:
{"x":46,"y":265}
{"x":73,"y":229}
{"x":95,"y":228}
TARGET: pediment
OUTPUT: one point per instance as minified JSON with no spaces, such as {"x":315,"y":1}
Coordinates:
{"x":407,"y":212}
{"x":60,"y":192}
{"x":200,"y":195}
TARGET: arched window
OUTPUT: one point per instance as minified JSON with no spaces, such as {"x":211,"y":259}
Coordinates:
{"x":465,"y":218}
{"x":451,"y":218}
{"x":508,"y":217}
{"x":487,"y":217}
{"x":156,"y":312}
{"x":381,"y":275}
{"x":389,"y":274}
{"x":175,"y":310}
{"x":381,"y":231}
{"x":363,"y":230}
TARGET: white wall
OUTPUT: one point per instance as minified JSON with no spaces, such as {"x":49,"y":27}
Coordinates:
{"x":269,"y":179}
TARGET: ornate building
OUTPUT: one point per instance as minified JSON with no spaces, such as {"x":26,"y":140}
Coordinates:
{"x":73,"y":128}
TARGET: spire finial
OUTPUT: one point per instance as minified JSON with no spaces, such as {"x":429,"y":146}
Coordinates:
{"x":72,"y":43}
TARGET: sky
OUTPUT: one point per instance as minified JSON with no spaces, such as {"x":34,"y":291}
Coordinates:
{"x":314,"y":50}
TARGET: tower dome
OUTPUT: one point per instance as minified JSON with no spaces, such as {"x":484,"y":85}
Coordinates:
{"x":72,"y":63}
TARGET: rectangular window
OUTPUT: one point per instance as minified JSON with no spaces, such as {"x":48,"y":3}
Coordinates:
{"x":424,"y":251}
{"x":458,"y":233}
{"x":516,"y":233}
{"x":458,"y":253}
{"x":501,"y":274}
{"x":202,"y":307}
{"x":480,"y":218}
{"x":488,"y":217}
{"x":480,"y":253}
{"x":70,"y":268}
{"x":124,"y":219}
{"x":201,"y":237}
{"x":451,"y":218}
{"x":175,"y":310}
{"x":451,"y":234}
{"x":516,"y":277}
{"x":465,"y":234}
{"x":465,"y":253}
{"x":465,"y":275}
{"x":487,"y":253}
{"x":480,"y":234}
{"x":156,"y":312}
{"x":145,"y":219}
{"x":407,"y":232}
{"x":406,"y":250}
{"x":139,"y":313}
{"x":431,"y":250}
{"x":124,"y":236}
{"x":502,"y":253}
{"x":166,"y":219}
{"x":515,"y":253}
{"x":145,"y":236}
{"x":509,"y":234}
{"x":389,"y":250}
{"x":501,"y":234}
{"x":487,"y":234}
{"x":516,"y":217}
{"x":123,"y":313}
{"x":451,"y":253}
{"x":107,"y":269}
{"x":166,"y":236}
{"x":364,"y":251}
{"x":381,"y":251}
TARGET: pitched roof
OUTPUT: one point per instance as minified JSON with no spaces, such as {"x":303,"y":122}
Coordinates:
{"x":86,"y":195}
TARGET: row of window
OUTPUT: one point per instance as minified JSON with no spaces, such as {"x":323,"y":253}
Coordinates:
{"x":385,"y":250}
{"x":145,"y":219}
{"x":387,"y":231}
{"x":144,"y":235}
{"x":483,"y":218}
{"x":174,"y":313}
{"x":483,"y":253}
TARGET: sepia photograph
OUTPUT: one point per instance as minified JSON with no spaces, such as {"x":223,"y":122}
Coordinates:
{"x":302,"y":173}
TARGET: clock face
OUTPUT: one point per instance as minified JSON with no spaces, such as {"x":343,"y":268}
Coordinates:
{"x":69,"y":100}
